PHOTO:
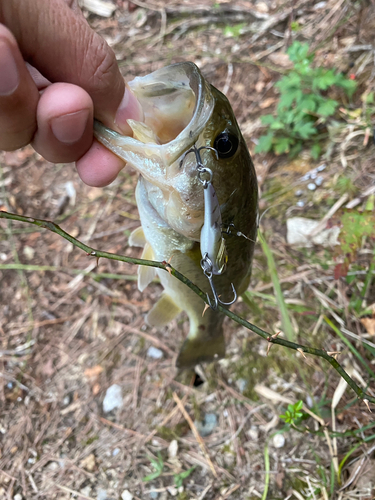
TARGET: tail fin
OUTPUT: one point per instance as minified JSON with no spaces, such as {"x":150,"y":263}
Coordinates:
{"x":201,"y":348}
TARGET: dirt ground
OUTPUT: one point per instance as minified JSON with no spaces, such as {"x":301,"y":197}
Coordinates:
{"x":71,"y":329}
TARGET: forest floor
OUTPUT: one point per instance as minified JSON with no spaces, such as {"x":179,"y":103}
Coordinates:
{"x":71,"y":328}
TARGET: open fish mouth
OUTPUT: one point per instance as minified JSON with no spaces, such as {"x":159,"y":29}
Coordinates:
{"x":177,"y":104}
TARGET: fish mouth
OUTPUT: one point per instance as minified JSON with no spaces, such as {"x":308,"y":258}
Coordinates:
{"x":176,"y":101}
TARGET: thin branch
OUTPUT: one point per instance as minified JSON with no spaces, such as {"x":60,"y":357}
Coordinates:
{"x":167,"y":267}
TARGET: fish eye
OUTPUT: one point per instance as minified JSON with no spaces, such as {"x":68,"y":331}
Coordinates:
{"x":226,"y":144}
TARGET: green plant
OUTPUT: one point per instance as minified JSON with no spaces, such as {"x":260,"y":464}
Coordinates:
{"x":158,"y":465}
{"x":179,"y":478}
{"x":293,"y":413}
{"x":303,"y":107}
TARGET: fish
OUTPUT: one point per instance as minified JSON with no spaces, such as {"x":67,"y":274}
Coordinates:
{"x":197,"y":198}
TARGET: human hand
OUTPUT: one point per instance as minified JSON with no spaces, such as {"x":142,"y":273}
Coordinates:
{"x":71,"y":75}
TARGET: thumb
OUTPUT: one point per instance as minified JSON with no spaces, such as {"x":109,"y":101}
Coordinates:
{"x":54,"y":37}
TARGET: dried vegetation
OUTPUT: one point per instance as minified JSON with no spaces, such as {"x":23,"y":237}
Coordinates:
{"x":70,"y":329}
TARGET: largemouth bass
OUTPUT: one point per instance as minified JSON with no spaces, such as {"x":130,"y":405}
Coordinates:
{"x":183,"y":111}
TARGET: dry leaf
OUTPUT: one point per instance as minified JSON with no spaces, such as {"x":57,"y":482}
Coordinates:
{"x":281,"y":59}
{"x":96,"y":389}
{"x":93,"y":372}
{"x":88,"y":463}
{"x":48,"y":368}
{"x":259,"y":86}
{"x":369,"y":324}
{"x":266,"y":103}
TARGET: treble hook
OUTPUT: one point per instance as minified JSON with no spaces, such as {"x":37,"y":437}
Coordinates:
{"x":206,"y":266}
{"x":200,"y":167}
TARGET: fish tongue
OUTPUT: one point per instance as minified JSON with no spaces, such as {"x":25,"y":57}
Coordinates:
{"x":143,"y":132}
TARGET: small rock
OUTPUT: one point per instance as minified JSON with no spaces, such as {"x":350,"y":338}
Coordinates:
{"x":173,"y":449}
{"x":126,"y":495}
{"x":101,"y":494}
{"x":88,"y":463}
{"x":18,"y":497}
{"x":311,"y":186}
{"x":323,"y":166}
{"x":66,"y":400}
{"x":241,"y":384}
{"x":154,"y":353}
{"x":253,"y":433}
{"x":154,"y":494}
{"x":300,"y":203}
{"x":53,"y":466}
{"x":28,"y":252}
{"x":206,"y":426}
{"x":115,"y":452}
{"x":278,"y":440}
{"x":113,"y":398}
{"x":172,"y":490}
{"x":299,"y":229}
{"x":319,"y":180}
{"x":299,"y":192}
{"x":86,"y":491}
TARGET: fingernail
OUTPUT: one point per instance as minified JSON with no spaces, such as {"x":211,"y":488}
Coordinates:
{"x":129,"y":109}
{"x":70,"y":128}
{"x":9,"y":77}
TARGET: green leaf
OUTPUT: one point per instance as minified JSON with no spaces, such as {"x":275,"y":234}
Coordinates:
{"x":306,"y":130}
{"x":283,"y":145}
{"x":233,"y":31}
{"x":315,"y":151}
{"x":286,"y":100}
{"x":350,"y":86}
{"x":307,"y":103}
{"x":289,"y":82}
{"x":276,"y":125}
{"x":179,"y":478}
{"x":265,"y":143}
{"x":158,"y":465}
{"x":298,"y":406}
{"x":297,"y":148}
{"x":326,"y":79}
{"x":370,"y":98}
{"x":298,"y":51}
{"x":267,"y":119}
{"x":327,"y":108}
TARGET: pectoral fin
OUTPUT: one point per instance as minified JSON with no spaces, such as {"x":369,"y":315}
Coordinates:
{"x":146,"y":273}
{"x":162,"y":312}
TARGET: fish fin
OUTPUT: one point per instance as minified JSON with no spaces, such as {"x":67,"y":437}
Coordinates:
{"x":143,"y":132}
{"x":200,"y":349}
{"x":146,"y":273}
{"x":137,"y":238}
{"x":162,"y":312}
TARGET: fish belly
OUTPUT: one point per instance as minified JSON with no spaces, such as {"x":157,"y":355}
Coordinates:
{"x":205,"y":341}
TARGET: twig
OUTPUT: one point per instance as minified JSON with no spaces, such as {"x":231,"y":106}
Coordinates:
{"x":167,"y":267}
{"x":195,"y":432}
{"x":72,"y":492}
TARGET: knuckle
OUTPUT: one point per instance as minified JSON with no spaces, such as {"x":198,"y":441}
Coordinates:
{"x":104,"y":64}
